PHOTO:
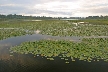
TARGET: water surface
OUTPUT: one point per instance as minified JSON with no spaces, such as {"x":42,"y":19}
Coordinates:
{"x":31,"y":63}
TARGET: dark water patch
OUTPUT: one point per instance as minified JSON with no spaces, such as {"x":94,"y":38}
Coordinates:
{"x":29,"y":63}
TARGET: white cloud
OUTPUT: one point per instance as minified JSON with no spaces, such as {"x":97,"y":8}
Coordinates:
{"x":55,"y":7}
{"x":95,"y":7}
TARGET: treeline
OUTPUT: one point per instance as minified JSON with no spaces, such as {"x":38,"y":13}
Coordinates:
{"x":97,"y":17}
{"x":14,"y":16}
{"x":10,"y":16}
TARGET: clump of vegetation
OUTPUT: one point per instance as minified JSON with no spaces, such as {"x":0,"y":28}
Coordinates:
{"x":90,"y":49}
{"x":54,"y":28}
{"x":6,"y":33}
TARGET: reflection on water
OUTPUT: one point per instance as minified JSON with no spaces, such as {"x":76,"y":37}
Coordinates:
{"x":20,"y":39}
{"x":30,"y":63}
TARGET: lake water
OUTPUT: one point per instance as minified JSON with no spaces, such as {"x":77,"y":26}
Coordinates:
{"x":29,"y":63}
{"x":69,"y":19}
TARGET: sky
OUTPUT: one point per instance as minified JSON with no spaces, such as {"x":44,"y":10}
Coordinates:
{"x":55,"y":8}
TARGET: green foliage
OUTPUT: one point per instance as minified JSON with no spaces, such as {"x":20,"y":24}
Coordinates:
{"x":55,"y":28}
{"x":88,"y":49}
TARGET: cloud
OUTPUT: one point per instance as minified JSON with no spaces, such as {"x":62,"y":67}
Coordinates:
{"x":96,"y":7}
{"x":54,"y":7}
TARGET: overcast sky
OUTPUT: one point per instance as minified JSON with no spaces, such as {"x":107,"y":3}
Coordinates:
{"x":55,"y":8}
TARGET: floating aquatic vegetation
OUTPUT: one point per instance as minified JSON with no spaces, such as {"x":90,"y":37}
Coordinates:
{"x":53,"y":27}
{"x":87,"y":50}
{"x":6,"y":33}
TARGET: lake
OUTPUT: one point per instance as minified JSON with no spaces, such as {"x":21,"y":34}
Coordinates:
{"x":31,"y":63}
